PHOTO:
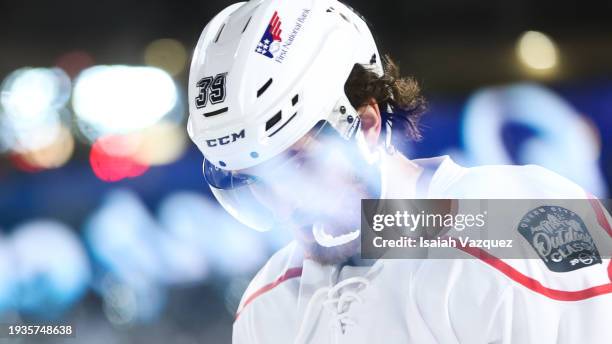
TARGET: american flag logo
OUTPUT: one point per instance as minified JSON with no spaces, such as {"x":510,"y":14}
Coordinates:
{"x":271,"y":35}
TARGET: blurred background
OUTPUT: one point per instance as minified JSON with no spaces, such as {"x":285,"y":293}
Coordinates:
{"x":105,"y":221}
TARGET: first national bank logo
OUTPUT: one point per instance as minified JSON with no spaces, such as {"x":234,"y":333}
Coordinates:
{"x":270,"y":41}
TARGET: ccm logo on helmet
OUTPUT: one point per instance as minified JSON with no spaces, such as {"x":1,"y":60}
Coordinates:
{"x":225,"y":140}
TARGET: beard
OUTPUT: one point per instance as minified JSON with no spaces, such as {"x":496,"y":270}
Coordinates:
{"x":338,"y":219}
{"x":330,"y":200}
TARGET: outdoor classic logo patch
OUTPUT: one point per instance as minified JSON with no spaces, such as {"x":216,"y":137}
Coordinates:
{"x":560,"y":238}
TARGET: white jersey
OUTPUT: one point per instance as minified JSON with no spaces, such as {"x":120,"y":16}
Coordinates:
{"x":297,"y":300}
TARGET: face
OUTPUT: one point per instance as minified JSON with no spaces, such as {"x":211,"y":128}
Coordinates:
{"x":315,"y":189}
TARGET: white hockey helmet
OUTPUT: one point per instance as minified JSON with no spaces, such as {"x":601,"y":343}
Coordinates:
{"x":265,"y":72}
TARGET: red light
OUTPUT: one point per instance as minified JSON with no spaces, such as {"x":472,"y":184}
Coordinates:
{"x":74,"y":62}
{"x":113,"y":168}
{"x":23,"y":164}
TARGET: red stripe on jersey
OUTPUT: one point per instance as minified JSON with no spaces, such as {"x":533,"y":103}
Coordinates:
{"x":603,"y":222}
{"x":289,"y":274}
{"x":561,"y":295}
{"x":601,"y":216}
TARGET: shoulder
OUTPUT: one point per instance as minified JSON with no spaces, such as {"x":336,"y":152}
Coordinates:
{"x":269,"y":300}
{"x":284,"y":265}
{"x":505,"y":181}
{"x":552,"y":269}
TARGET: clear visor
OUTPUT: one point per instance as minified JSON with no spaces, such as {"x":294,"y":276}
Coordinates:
{"x":321,"y":178}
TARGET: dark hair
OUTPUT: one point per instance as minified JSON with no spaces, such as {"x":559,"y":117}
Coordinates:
{"x":401,"y":94}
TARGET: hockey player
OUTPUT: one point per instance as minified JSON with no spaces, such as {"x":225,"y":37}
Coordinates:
{"x":296,"y":117}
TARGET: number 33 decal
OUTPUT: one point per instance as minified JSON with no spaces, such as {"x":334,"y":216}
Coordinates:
{"x":211,"y":88}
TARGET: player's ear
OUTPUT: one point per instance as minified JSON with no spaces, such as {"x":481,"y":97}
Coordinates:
{"x":369,"y":113}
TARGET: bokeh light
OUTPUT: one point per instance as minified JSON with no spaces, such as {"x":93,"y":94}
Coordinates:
{"x":119,"y":235}
{"x":113,"y":167}
{"x":54,"y":155}
{"x":537,"y":51}
{"x":30,"y":124}
{"x":54,"y":269}
{"x":161,"y":144}
{"x":552,"y":145}
{"x":208,"y":228}
{"x":7,"y":139}
{"x":138,"y":251}
{"x":127,"y":304}
{"x":20,"y":163}
{"x":119,"y":303}
{"x":120,"y":145}
{"x":121,"y":99}
{"x":24,"y":135}
{"x":167,"y":54}
{"x":8,"y":278}
{"x":28,"y":94}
